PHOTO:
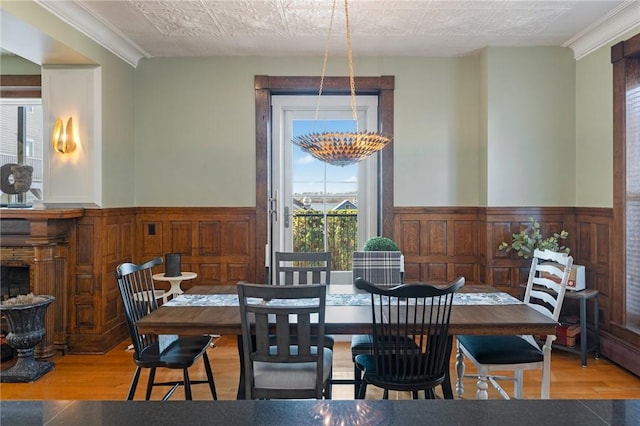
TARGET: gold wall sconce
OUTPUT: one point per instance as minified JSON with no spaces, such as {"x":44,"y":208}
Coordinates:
{"x":63,"y":139}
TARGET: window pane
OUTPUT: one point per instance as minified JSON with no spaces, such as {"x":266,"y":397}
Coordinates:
{"x":633,"y":209}
{"x":33,"y":143}
{"x":325,"y":199}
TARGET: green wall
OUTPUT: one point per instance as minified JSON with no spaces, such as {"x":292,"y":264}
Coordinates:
{"x":195,"y":127}
{"x":15,"y":65}
{"x":530,"y":127}
{"x":594,"y":126}
{"x":508,"y":127}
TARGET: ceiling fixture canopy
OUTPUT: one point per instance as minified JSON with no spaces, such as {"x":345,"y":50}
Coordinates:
{"x":340,"y":148}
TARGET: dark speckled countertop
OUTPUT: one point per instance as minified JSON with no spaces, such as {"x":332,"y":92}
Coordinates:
{"x":309,"y":412}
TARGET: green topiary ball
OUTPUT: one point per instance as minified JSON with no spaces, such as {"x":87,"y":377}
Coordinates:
{"x":380,"y":244}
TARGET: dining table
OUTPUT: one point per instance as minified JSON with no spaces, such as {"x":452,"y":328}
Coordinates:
{"x":480,"y":310}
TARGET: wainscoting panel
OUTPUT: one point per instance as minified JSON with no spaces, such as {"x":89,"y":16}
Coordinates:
{"x":216,"y":243}
{"x":105,"y":238}
{"x":438,"y":243}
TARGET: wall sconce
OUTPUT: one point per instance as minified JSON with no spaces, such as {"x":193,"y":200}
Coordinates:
{"x":63,"y":139}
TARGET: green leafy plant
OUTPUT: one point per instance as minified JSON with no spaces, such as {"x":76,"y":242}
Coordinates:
{"x":380,"y":244}
{"x":530,"y":238}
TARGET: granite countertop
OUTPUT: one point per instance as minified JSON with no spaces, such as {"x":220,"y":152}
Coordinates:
{"x":310,"y":412}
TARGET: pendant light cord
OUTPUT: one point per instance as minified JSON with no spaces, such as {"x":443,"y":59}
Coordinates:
{"x":324,"y":64}
{"x":352,"y":84}
{"x":340,"y":148}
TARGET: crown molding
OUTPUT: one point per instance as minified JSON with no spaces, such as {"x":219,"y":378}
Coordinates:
{"x":102,"y":33}
{"x":612,"y":25}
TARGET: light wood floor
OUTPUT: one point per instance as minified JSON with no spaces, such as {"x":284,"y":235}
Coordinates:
{"x":107,"y":377}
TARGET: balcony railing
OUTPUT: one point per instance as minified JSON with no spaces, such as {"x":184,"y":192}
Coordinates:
{"x":341,"y":235}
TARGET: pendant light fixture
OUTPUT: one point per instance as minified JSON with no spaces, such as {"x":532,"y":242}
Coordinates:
{"x":341,"y":148}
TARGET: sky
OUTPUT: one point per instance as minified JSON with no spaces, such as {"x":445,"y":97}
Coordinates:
{"x":309,"y":173}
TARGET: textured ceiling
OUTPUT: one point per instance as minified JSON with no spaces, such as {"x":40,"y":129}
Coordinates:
{"x":379,"y":27}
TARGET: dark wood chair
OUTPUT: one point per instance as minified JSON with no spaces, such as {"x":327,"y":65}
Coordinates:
{"x":295,"y":268}
{"x":280,"y":369}
{"x":138,"y":294}
{"x":410,"y":325}
{"x":301,"y":268}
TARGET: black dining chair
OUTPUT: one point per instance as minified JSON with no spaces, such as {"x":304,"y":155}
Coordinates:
{"x":382,"y":268}
{"x":410,"y":331}
{"x":137,"y":291}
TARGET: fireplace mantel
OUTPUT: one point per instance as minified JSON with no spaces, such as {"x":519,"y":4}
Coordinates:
{"x":40,"y":213}
{"x":41,"y":239}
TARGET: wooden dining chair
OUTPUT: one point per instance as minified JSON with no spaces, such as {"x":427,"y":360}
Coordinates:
{"x":280,"y":369}
{"x":301,"y":268}
{"x":410,"y":330}
{"x":137,"y":291}
{"x":547,"y":283}
{"x":297,"y":268}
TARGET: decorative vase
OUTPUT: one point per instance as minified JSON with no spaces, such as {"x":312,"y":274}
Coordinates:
{"x":172,"y":265}
{"x":26,"y":330}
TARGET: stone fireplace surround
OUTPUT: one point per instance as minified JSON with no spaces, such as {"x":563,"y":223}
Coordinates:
{"x":39,"y":239}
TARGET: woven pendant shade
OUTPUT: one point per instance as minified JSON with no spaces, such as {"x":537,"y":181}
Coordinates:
{"x":341,"y":148}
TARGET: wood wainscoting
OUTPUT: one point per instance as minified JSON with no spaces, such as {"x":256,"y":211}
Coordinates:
{"x":105,"y":238}
{"x":440,"y":243}
{"x":221,"y":245}
{"x":216,"y":243}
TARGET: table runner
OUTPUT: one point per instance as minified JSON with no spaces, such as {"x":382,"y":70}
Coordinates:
{"x":495,"y":298}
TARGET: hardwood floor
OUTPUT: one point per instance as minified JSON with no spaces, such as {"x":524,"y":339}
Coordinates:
{"x":107,"y":377}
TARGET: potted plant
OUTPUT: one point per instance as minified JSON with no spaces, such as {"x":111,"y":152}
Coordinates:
{"x":380,"y":262}
{"x":380,"y":244}
{"x":531,"y":238}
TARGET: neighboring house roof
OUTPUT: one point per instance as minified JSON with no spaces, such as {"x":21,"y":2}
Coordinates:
{"x":345,"y":205}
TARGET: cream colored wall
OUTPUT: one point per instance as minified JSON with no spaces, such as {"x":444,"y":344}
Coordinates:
{"x":47,"y":40}
{"x":73,"y":93}
{"x":594,"y":127}
{"x":530,"y":127}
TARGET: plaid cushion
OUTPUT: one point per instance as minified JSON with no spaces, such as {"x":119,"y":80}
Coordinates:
{"x":377,"y":267}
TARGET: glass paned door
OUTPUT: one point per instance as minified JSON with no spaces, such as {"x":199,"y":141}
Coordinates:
{"x":321,"y":207}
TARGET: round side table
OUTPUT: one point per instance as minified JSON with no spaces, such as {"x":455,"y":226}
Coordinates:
{"x":175,"y":283}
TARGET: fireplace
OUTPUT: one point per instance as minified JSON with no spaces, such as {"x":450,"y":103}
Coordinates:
{"x":14,"y":280}
{"x":34,"y":257}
